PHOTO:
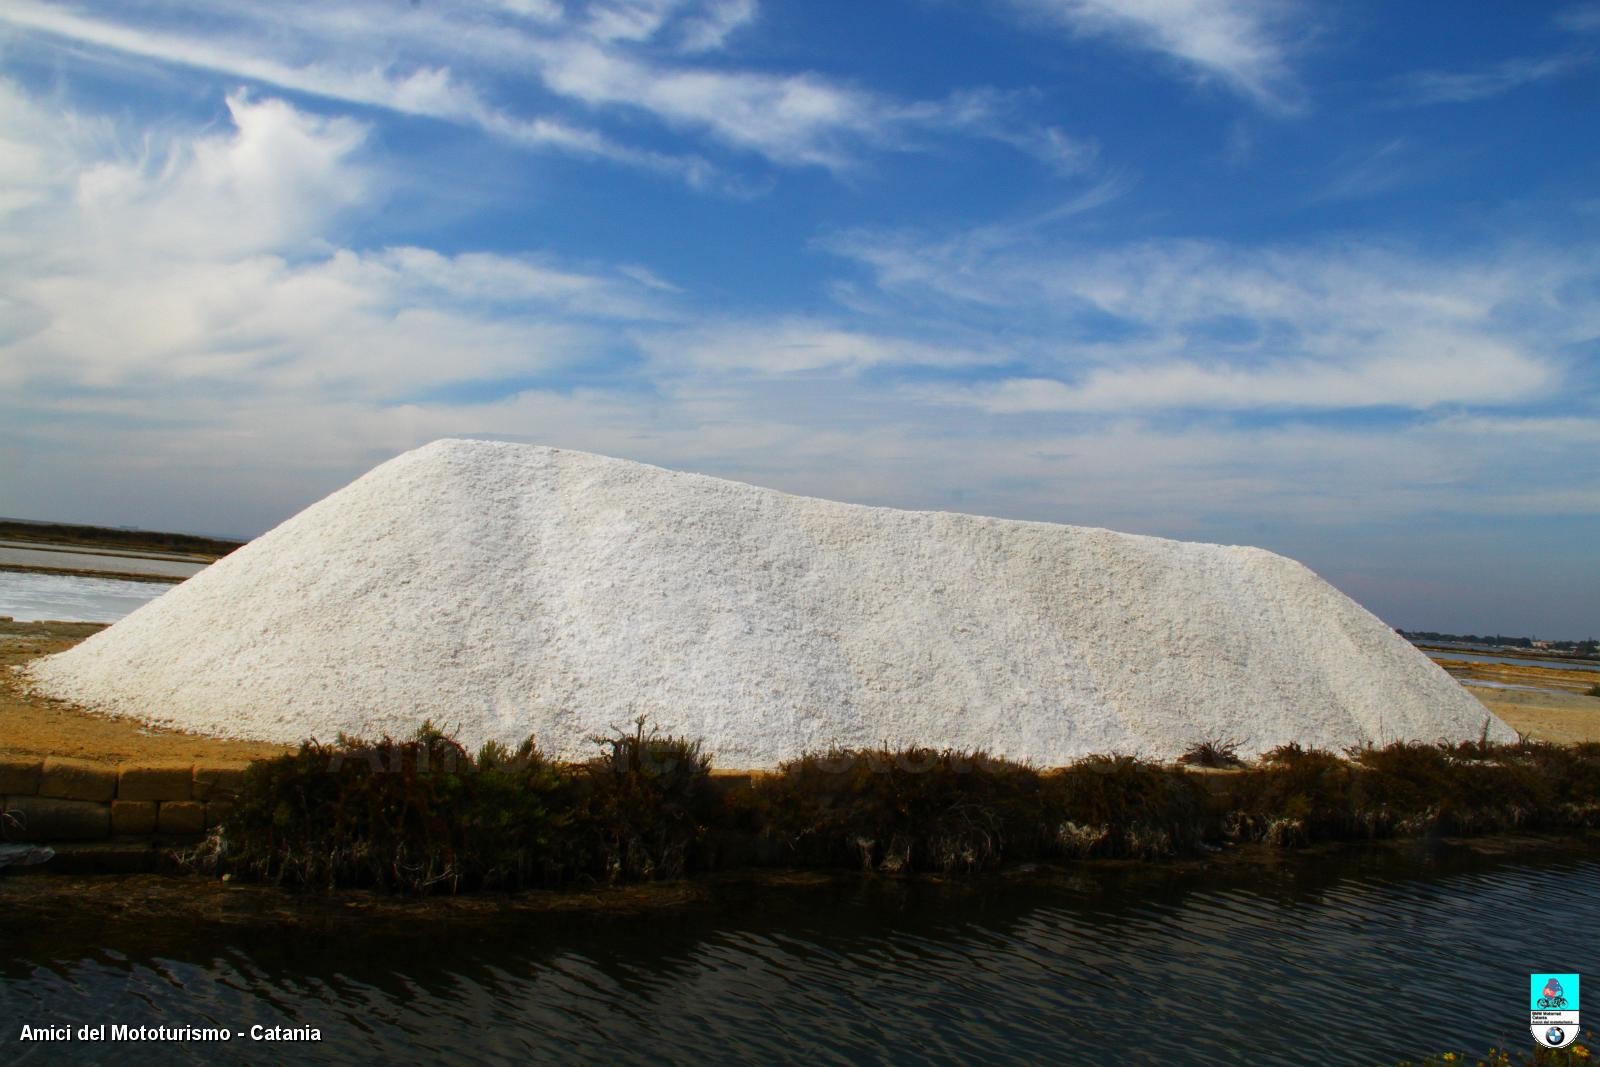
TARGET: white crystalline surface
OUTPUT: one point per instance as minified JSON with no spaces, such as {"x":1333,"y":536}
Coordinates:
{"x":503,"y":590}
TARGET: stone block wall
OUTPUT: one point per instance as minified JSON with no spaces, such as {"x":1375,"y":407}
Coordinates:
{"x":55,"y":799}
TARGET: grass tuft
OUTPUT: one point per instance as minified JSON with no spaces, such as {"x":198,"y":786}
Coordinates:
{"x":1214,"y":752}
{"x":646,"y":804}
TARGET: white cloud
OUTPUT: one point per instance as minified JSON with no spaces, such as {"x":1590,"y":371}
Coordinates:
{"x":430,"y":91}
{"x":1580,"y":18}
{"x":1459,"y":87}
{"x":1242,"y":43}
{"x":795,"y":119}
{"x":186,"y":340}
{"x":1369,"y":171}
{"x":710,"y":29}
{"x":1189,"y":324}
{"x":451,"y":60}
{"x":204,"y":264}
{"x":786,"y":346}
{"x":1427,"y":372}
{"x":696,"y":25}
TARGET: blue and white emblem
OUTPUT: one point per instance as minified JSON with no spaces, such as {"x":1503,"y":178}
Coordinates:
{"x":1553,"y":1009}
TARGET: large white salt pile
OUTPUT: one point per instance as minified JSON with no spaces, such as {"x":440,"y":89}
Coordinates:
{"x":503,"y":590}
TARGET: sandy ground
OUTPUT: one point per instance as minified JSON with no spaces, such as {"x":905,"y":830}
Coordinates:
{"x":35,"y":726}
{"x":1560,"y":717}
{"x":1568,"y":715}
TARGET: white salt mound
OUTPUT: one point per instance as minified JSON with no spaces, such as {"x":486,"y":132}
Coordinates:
{"x":503,"y":590}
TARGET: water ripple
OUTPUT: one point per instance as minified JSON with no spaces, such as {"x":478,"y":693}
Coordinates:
{"x":1354,"y":961}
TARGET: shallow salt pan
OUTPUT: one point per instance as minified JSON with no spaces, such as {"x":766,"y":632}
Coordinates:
{"x":28,"y":597}
{"x":503,"y":590}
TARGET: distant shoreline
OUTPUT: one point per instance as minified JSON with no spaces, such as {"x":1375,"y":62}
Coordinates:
{"x":60,"y":533}
{"x":1517,"y":653}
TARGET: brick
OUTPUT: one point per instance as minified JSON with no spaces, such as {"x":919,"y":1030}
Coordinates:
{"x":182,"y":817}
{"x":216,"y":811}
{"x":155,"y":781}
{"x":19,"y":775}
{"x":133,"y":816}
{"x":53,"y":819}
{"x":216,"y":781}
{"x":76,"y":779}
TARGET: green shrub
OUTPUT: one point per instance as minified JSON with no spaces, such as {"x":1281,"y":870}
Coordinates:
{"x":644,"y":809}
{"x":915,"y":809}
{"x":1123,"y":807}
{"x":406,"y":816}
{"x":425,"y":816}
{"x":920,"y":809}
{"x":1297,"y":796}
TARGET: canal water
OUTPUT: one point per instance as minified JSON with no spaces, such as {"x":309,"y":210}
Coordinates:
{"x":1362,"y":957}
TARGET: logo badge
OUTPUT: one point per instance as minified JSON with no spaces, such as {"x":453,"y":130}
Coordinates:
{"x":1553,"y":1009}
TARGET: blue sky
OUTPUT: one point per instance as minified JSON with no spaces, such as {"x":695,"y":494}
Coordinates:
{"x":1321,"y":278}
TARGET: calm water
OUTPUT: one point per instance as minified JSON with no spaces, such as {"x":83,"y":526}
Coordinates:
{"x":1364,"y":958}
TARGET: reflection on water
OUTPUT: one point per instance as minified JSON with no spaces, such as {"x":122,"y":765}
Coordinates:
{"x":1363,"y":958}
{"x":68,"y":598}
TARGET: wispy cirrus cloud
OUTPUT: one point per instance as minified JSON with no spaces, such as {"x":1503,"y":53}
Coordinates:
{"x":1459,"y":87}
{"x":1243,"y":44}
{"x":430,"y":91}
{"x":458,"y":62}
{"x":710,"y":29}
{"x":1194,"y":325}
{"x":1580,"y":18}
{"x":195,"y":289}
{"x":1369,"y":170}
{"x":1423,"y":372}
